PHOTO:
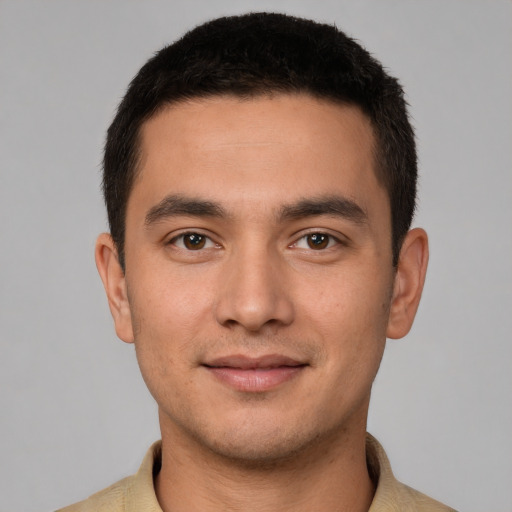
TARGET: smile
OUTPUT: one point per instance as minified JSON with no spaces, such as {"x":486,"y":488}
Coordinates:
{"x":254,"y":375}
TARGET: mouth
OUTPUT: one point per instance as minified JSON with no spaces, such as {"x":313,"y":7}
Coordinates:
{"x":254,"y":375}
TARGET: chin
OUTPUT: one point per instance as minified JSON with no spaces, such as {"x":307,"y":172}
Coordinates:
{"x":264,"y":447}
{"x":259,"y":455}
{"x":263,"y":435}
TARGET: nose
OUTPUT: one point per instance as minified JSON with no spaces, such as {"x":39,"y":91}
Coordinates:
{"x":253,"y":293}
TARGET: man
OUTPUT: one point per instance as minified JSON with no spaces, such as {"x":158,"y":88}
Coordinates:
{"x":260,"y":180}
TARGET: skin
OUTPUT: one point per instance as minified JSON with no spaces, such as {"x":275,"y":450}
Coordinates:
{"x":259,"y":287}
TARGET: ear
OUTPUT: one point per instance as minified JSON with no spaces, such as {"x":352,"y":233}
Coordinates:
{"x":114,"y":281}
{"x":408,"y":284}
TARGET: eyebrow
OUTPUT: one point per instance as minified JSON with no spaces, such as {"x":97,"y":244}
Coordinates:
{"x":176,"y":205}
{"x":335,"y":206}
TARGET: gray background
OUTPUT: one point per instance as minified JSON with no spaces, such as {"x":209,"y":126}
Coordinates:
{"x":75,"y":414}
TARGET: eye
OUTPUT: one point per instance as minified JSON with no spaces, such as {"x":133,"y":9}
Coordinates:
{"x":192,"y":241}
{"x":316,"y":241}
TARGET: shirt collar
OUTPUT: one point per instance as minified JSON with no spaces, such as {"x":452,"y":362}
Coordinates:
{"x":141,"y":495}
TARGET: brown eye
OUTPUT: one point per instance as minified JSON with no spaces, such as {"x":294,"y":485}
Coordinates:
{"x":194,"y":241}
{"x":317,"y":241}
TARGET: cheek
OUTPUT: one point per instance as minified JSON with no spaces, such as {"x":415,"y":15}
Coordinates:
{"x":354,"y":299}
{"x":350,"y":315}
{"x":168,"y":317}
{"x":170,"y":303}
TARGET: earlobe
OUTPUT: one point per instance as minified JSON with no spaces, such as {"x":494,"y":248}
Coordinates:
{"x":114,"y":281}
{"x":408,"y":284}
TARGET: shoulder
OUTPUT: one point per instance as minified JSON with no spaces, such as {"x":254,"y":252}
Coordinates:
{"x":111,"y":499}
{"x":415,"y":501}
{"x":134,"y":493}
{"x":390,"y":494}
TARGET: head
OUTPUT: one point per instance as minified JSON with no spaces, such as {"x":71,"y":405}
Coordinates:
{"x":262,"y":55}
{"x":260,"y":178}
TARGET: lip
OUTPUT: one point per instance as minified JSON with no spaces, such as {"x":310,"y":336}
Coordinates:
{"x":254,"y":375}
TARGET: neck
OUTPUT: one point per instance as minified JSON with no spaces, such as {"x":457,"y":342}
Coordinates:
{"x":331,"y":475}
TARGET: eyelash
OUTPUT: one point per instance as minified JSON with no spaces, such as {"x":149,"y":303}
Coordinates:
{"x":331,"y":241}
{"x":191,"y":234}
{"x":202,"y":241}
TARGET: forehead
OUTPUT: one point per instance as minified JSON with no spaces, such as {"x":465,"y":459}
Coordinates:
{"x":262,"y":150}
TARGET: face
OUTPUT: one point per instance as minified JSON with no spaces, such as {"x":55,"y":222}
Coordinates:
{"x":259,"y":279}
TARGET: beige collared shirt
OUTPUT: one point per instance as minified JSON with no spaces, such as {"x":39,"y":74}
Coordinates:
{"x":137,"y":494}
